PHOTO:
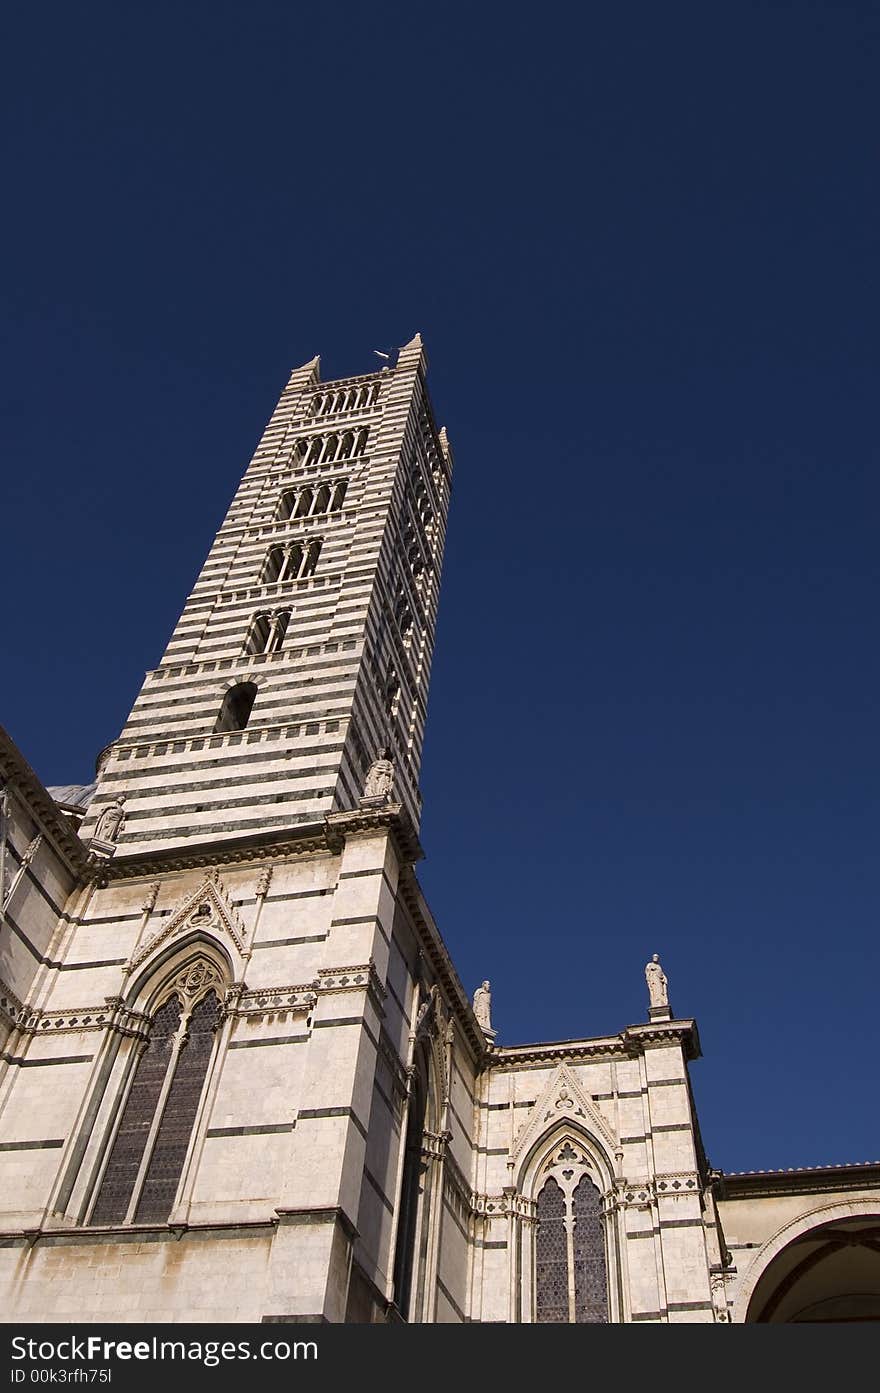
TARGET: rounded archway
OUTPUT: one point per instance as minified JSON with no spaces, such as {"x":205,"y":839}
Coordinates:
{"x":820,"y":1272}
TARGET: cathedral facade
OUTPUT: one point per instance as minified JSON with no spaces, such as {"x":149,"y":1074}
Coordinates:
{"x":240,"y":1079}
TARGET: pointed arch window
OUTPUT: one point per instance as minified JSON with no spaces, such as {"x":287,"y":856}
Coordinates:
{"x":411,"y":1196}
{"x":571,"y":1270}
{"x":147,"y":1155}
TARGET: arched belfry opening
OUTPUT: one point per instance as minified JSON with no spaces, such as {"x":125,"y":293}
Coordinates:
{"x":235,"y":711}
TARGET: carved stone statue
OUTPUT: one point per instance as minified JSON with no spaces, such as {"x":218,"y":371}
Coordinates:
{"x":110,"y":821}
{"x":483,"y":1006}
{"x":656,"y":980}
{"x":380,"y":777}
{"x":426,"y":1007}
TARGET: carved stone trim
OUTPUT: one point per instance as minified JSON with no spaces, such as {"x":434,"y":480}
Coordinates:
{"x":500,"y":1206}
{"x":271,"y":1001}
{"x":196,"y":978}
{"x":434,"y":1145}
{"x":677,"y":1183}
{"x":563,"y":1100}
{"x":364,"y":977}
{"x":113,"y":1014}
{"x":390,"y":817}
{"x":718,"y":1280}
{"x":636,"y":1193}
{"x":10,"y":1005}
{"x":206,"y":908}
{"x":151,"y":894}
{"x":393,"y":1063}
{"x":281,"y":846}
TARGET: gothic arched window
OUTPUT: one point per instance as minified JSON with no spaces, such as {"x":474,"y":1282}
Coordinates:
{"x":571,"y":1276}
{"x":411,"y":1198}
{"x":146,"y":1159}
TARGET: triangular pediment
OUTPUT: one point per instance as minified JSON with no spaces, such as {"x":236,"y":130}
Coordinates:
{"x":207,"y":910}
{"x":563,"y":1100}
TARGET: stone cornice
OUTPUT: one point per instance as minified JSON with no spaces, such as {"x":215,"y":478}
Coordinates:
{"x":15,"y":770}
{"x":437,"y":954}
{"x":391,"y":818}
{"x":631,"y":1042}
{"x":314,"y":838}
{"x":683,"y":1032}
{"x":239,"y":851}
{"x":858,"y":1175}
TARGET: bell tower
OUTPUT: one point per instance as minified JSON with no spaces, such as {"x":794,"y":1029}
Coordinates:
{"x":304,"y":650}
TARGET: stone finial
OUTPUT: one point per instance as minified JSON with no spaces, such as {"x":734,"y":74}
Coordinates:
{"x":658,"y":994}
{"x":150,"y":897}
{"x":413,"y":353}
{"x":313,"y":365}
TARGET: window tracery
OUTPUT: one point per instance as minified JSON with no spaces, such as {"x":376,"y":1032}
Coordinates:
{"x":146,"y":1157}
{"x":571,"y":1272}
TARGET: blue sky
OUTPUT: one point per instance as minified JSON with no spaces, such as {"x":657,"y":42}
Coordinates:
{"x":640,"y":243}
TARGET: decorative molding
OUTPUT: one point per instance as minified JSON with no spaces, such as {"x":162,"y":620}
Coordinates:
{"x":671,"y":1183}
{"x":511,"y":1201}
{"x":562,"y":1100}
{"x":207,"y":908}
{"x":281,"y":845}
{"x":435,"y":1145}
{"x":629,"y":1044}
{"x":638,"y":1193}
{"x":393,"y":1063}
{"x":390,"y":817}
{"x":298,"y":999}
{"x":196,"y":978}
{"x":151,"y":895}
{"x":10,"y":1006}
{"x":23,"y":783}
{"x":113,"y":1015}
{"x":718,"y":1281}
{"x":353,"y":979}
{"x":437,"y":954}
